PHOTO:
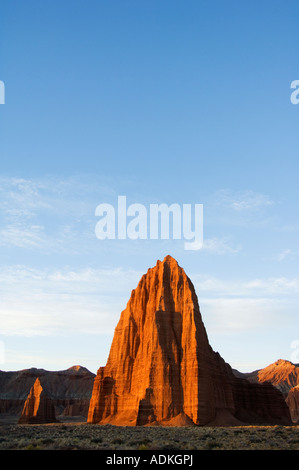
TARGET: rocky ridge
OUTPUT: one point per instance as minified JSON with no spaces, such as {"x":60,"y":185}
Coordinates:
{"x":283,"y":375}
{"x":70,"y":390}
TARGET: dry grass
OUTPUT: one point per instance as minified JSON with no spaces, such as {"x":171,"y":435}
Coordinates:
{"x":77,"y":436}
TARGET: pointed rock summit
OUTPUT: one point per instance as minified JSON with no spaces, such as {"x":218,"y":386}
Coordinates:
{"x":162,"y":370}
{"x":282,"y":374}
{"x":38,"y":408}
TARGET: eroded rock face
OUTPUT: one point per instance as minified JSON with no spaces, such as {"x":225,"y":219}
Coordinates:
{"x":162,"y":370}
{"x":282,"y":374}
{"x":38,"y":408}
{"x":70,"y":389}
{"x":293,"y":403}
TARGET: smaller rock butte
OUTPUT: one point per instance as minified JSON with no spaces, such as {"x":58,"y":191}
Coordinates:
{"x":70,"y":389}
{"x":38,"y":408}
{"x":162,"y":370}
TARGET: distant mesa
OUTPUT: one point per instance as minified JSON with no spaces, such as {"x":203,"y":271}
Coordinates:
{"x":38,"y":408}
{"x":70,"y":390}
{"x":161,"y":369}
{"x":284,"y":375}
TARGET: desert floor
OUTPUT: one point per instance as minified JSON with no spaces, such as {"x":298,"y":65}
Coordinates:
{"x":77,"y":435}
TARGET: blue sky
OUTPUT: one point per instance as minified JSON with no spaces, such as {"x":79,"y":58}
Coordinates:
{"x":164,"y":102}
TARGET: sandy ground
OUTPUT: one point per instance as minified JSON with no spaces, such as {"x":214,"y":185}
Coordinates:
{"x":75,"y":434}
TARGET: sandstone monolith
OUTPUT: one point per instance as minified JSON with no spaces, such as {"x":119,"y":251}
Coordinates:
{"x":38,"y":408}
{"x":161,"y":369}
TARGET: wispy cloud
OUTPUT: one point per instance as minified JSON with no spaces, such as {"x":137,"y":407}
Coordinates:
{"x":18,"y":235}
{"x":252,"y":288}
{"x":43,"y":302}
{"x":239,"y":208}
{"x":220,"y":246}
{"x":287,"y":253}
{"x":231,"y":306}
{"x":250,"y":201}
{"x":49,"y":302}
{"x":243,"y":201}
{"x":49,"y":214}
{"x":241,"y":221}
{"x":235,"y":315}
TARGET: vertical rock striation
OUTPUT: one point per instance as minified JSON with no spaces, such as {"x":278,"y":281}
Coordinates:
{"x":162,"y":370}
{"x":292,"y":401}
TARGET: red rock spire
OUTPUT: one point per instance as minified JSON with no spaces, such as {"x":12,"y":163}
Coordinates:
{"x":38,"y":407}
{"x":161,"y":368}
